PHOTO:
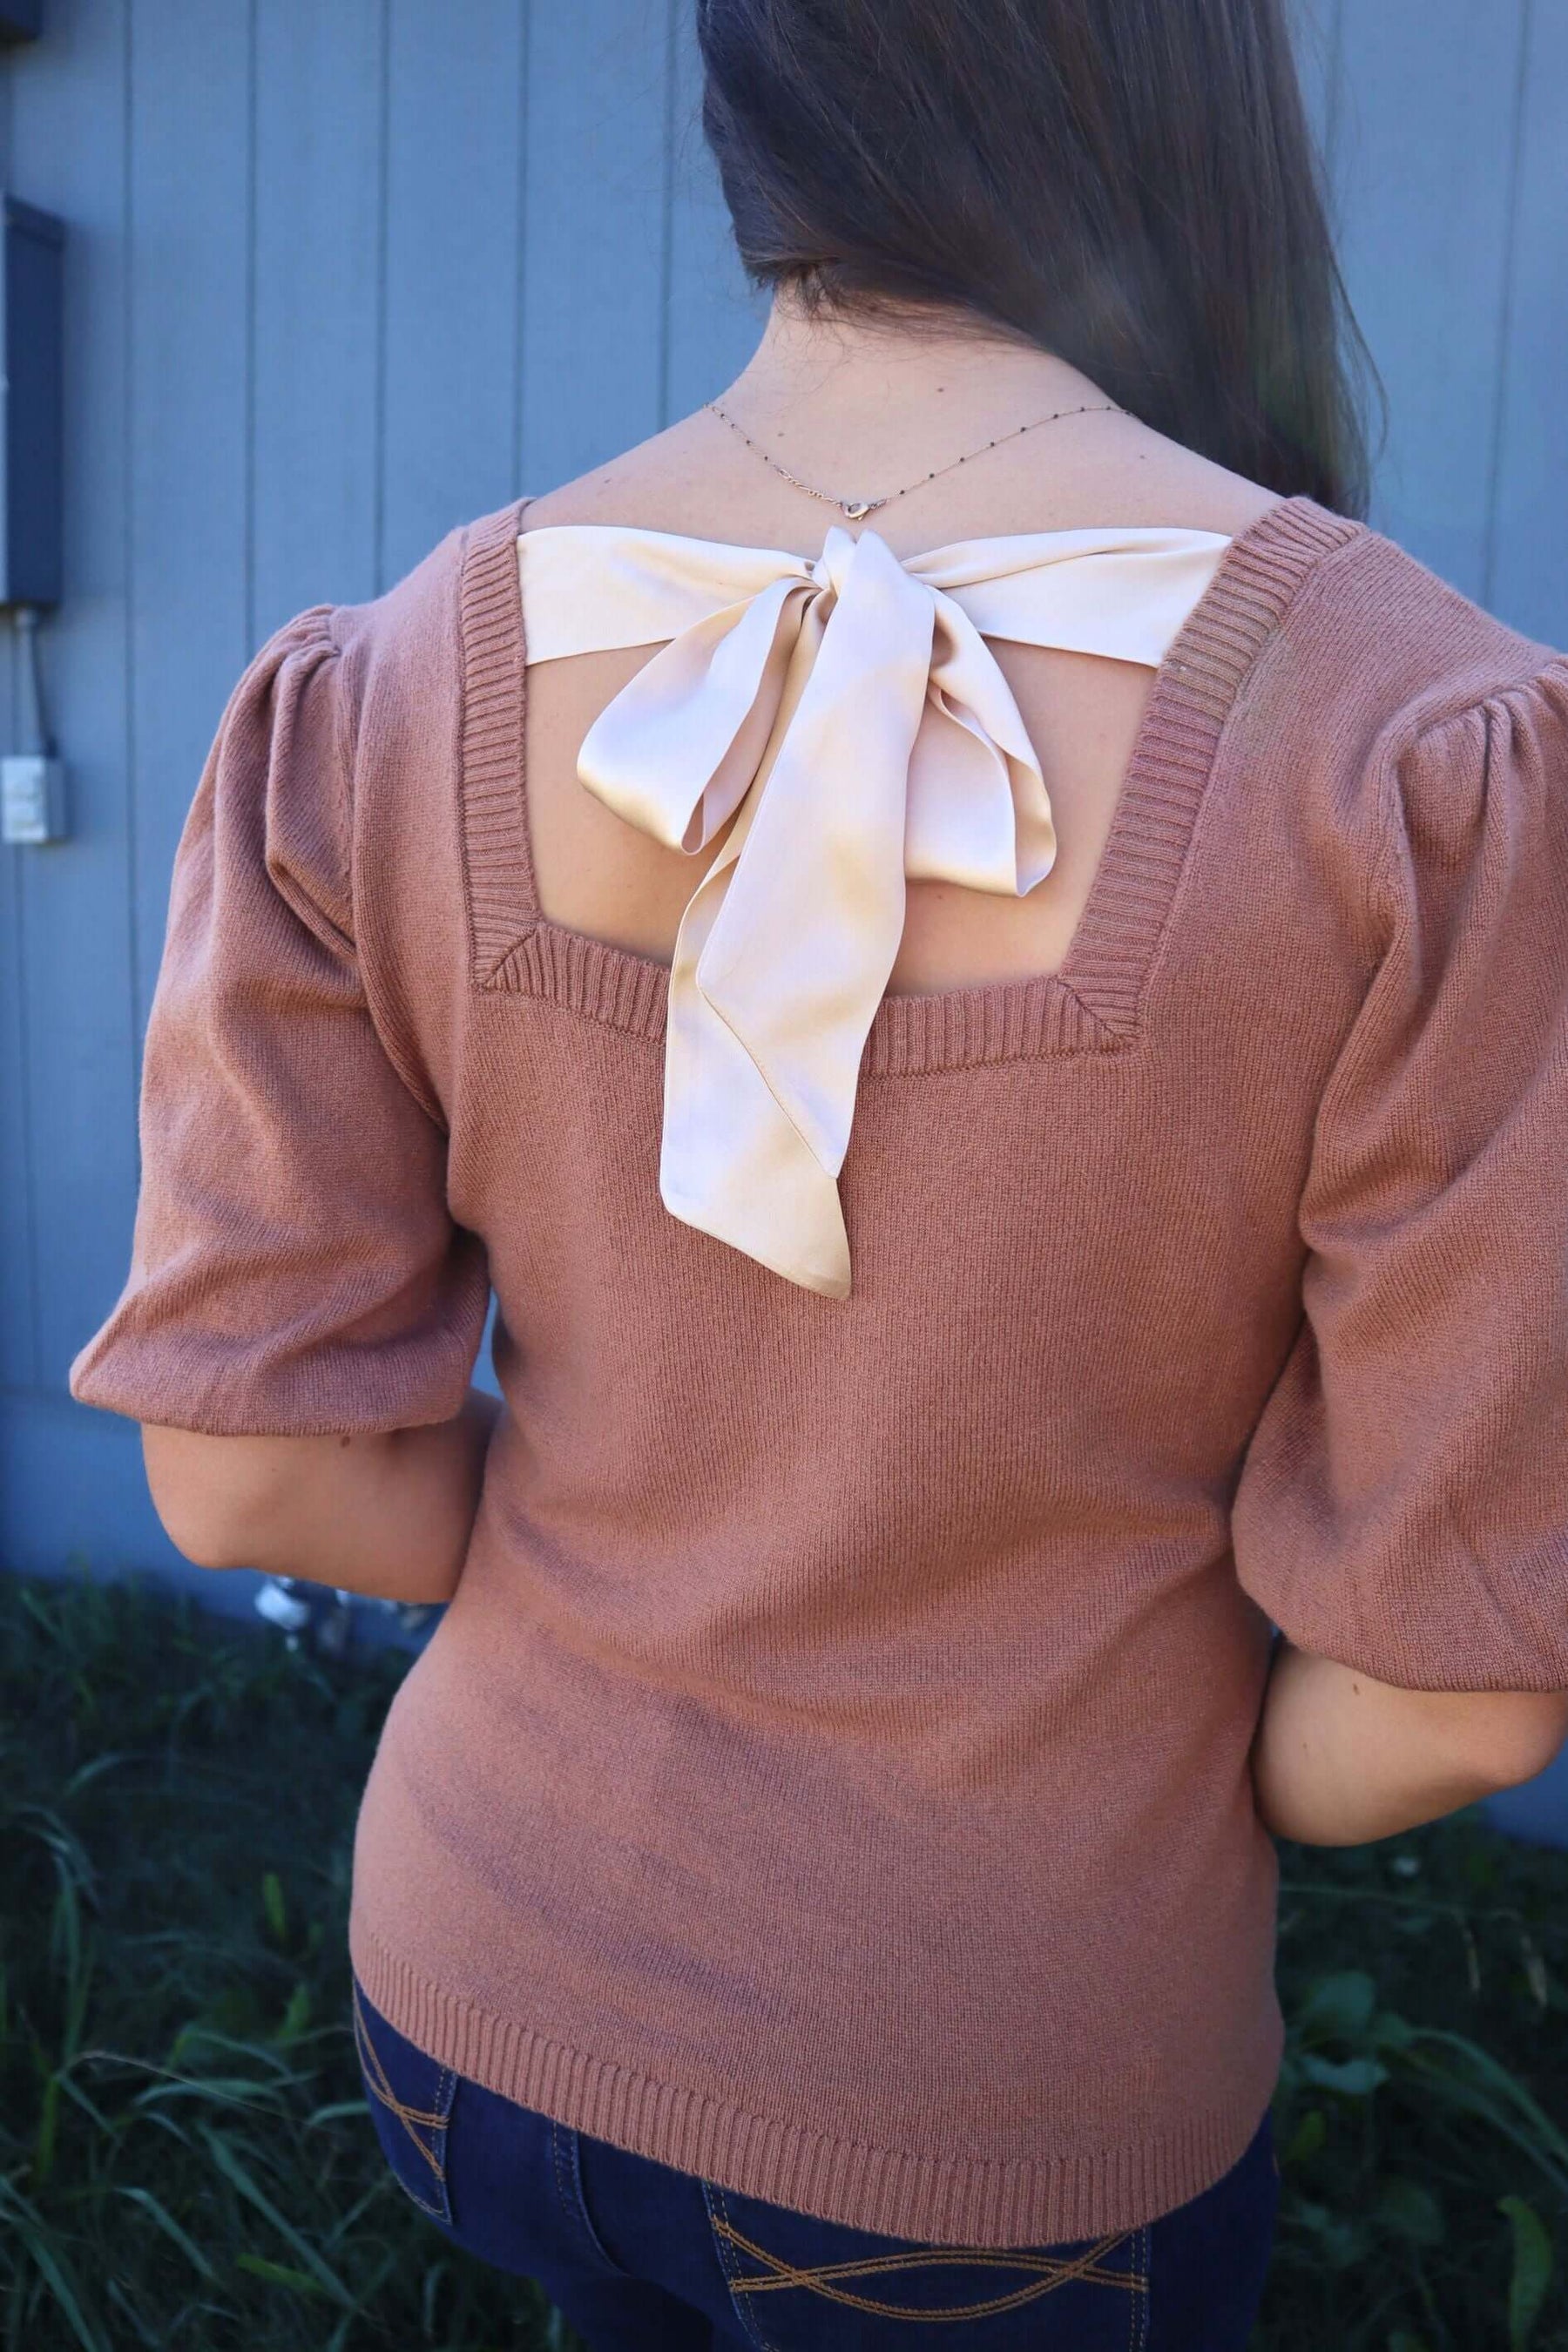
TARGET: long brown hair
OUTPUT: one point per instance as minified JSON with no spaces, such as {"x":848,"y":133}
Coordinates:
{"x":1129,"y":184}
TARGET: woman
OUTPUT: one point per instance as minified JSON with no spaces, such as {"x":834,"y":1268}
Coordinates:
{"x":981,"y":967}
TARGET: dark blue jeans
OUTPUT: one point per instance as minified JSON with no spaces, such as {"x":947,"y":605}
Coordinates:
{"x":641,"y":2258}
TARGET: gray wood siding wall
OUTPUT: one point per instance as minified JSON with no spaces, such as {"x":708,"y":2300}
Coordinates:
{"x":339,"y":277}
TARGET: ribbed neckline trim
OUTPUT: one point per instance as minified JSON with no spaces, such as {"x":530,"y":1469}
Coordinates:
{"x":1089,"y":1004}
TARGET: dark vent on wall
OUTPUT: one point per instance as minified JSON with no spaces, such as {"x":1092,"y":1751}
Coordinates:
{"x":31,"y":296}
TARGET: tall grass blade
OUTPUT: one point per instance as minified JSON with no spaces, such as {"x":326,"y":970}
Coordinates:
{"x":43,"y":2162}
{"x":278,"y":2273}
{"x":171,"y":2228}
{"x":229,"y":2164}
{"x":144,"y":2335}
{"x":53,"y":2271}
{"x":272,"y":1903}
{"x":1531,"y":2271}
{"x":1491,"y":2098}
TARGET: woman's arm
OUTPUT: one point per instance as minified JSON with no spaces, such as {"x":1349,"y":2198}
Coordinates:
{"x":1339,"y":1759}
{"x":388,"y":1514}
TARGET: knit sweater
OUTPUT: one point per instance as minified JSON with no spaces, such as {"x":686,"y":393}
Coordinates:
{"x":830,"y":1777}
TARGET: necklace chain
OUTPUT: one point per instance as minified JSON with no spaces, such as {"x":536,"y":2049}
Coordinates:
{"x":857,"y":510}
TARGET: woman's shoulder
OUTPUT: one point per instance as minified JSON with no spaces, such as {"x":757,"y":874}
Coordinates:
{"x":455,"y":606}
{"x":1374,"y":643}
{"x":1385,"y":711}
{"x":1370,"y":610}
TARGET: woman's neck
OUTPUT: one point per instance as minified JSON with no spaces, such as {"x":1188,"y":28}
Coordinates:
{"x":856,"y":390}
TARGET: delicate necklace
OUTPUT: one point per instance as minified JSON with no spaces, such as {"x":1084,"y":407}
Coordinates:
{"x":857,"y":510}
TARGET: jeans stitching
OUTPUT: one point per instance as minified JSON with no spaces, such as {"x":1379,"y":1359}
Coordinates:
{"x":565,"y":2151}
{"x":557,"y":2155}
{"x":1138,"y":2315}
{"x":718,"y":2223}
{"x":1052,"y":2272}
{"x":434,"y":2120}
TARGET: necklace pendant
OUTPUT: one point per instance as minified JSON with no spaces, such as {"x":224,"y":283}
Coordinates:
{"x":862,"y":508}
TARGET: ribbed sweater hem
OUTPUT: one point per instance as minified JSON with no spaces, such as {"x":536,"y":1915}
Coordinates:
{"x":897,"y":2192}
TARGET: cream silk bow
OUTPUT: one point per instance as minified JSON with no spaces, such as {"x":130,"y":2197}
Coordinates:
{"x":848,"y":707}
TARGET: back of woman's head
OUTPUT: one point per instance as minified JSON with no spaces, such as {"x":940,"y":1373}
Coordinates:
{"x":1129,"y":184}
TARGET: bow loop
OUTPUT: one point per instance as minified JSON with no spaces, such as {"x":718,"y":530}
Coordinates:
{"x":677,"y":749}
{"x":978,"y":811}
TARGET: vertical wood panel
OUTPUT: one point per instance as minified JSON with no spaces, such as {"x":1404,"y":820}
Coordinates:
{"x":453,"y":318}
{"x":191,"y":619}
{"x":1315,"y":30}
{"x":19,"y":1287}
{"x":451,"y":355}
{"x":318,"y":304}
{"x":1528,"y":582}
{"x":595,"y":228}
{"x":1426,"y":143}
{"x":72,"y":1488}
{"x":72,"y":899}
{"x":714,"y":318}
{"x":19,"y":1271}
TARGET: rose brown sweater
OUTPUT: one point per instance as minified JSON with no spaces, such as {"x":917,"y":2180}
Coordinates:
{"x":831,"y":1776}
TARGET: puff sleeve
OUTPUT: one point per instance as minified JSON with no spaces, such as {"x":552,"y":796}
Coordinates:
{"x":294,"y":1269}
{"x":1403,"y":1503}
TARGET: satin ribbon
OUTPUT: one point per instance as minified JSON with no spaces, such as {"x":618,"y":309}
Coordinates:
{"x":847,"y":712}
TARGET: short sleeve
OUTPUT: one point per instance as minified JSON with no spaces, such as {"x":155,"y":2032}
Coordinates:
{"x":1403,"y":1504}
{"x":294,"y":1268}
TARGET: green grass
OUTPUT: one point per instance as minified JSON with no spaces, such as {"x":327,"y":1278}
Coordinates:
{"x":1421,"y":2109}
{"x":186,"y":2160}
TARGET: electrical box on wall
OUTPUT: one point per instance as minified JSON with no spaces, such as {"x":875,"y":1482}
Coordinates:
{"x":32,"y":277}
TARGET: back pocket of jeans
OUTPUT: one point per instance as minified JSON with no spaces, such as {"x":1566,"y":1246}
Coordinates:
{"x":798,"y":2284}
{"x":410,"y":2097}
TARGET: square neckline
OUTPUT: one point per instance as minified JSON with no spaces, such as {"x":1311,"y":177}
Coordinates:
{"x":1089,"y":1002}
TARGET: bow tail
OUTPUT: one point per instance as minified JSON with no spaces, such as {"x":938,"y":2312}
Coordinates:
{"x":785,"y":948}
{"x":733,"y":1162}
